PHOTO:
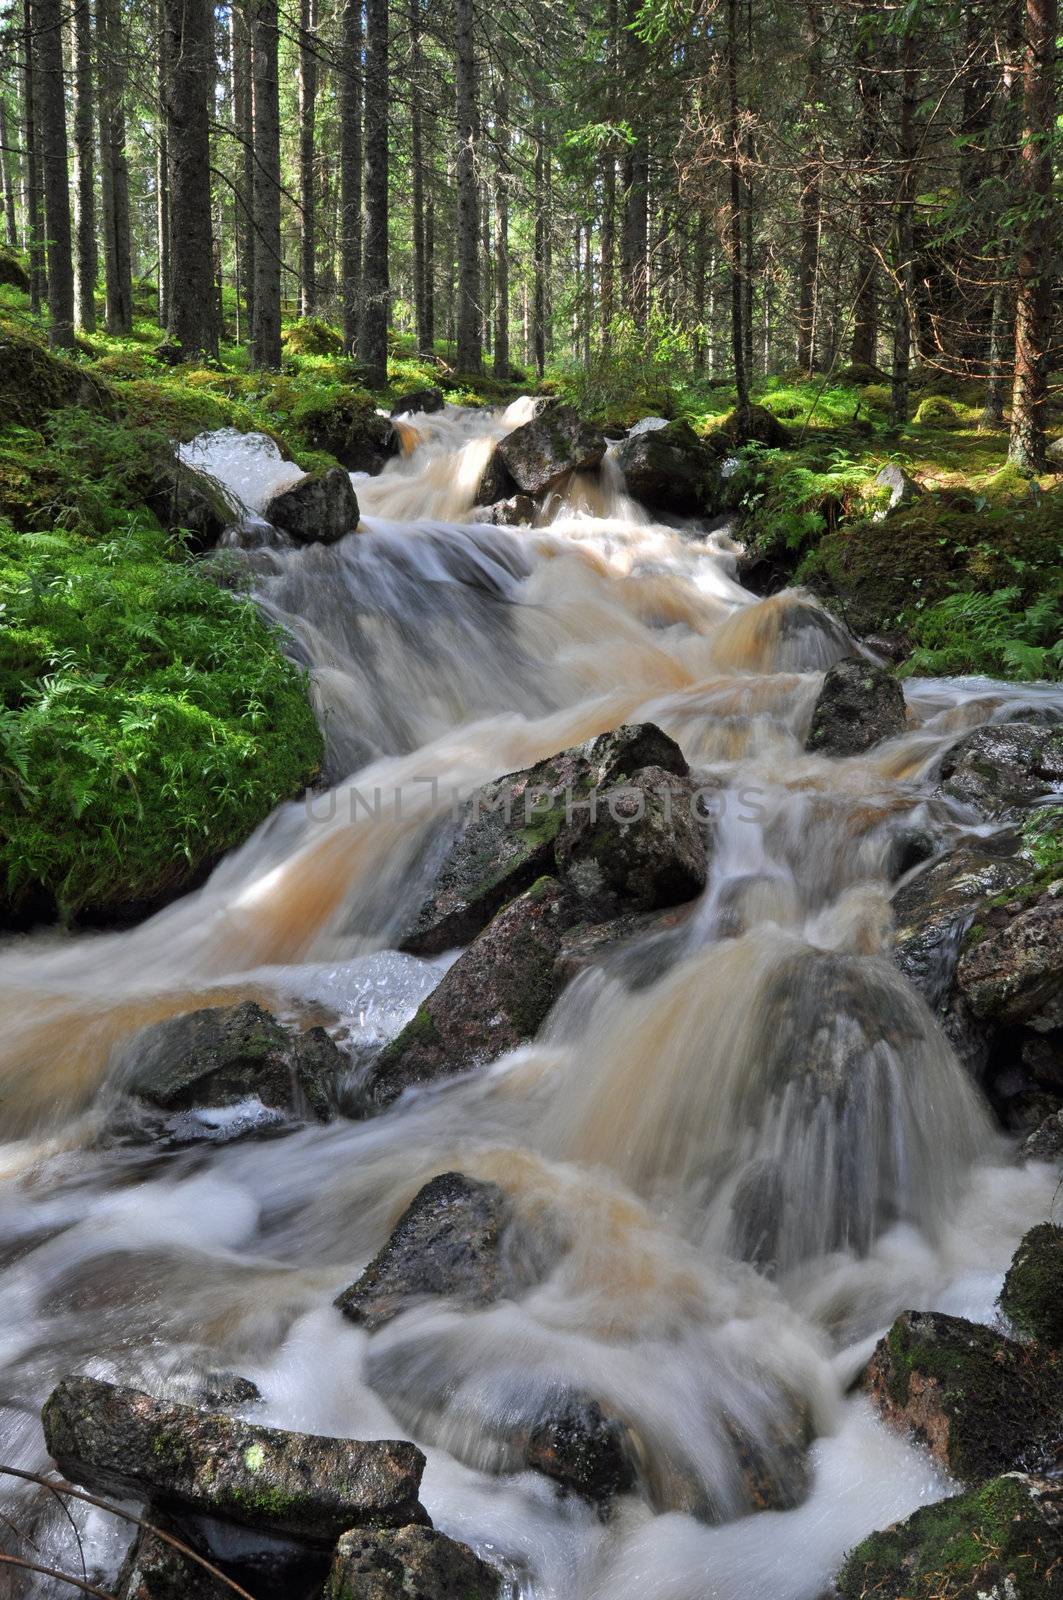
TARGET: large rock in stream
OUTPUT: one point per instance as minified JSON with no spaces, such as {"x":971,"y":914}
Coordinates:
{"x":317,"y":509}
{"x":410,"y":1564}
{"x":537,"y":456}
{"x":121,"y":1442}
{"x":981,"y":1403}
{"x":1014,"y":974}
{"x":670,"y":469}
{"x":1001,"y":1541}
{"x":1003,"y":768}
{"x":1032,"y":1295}
{"x":859,"y":705}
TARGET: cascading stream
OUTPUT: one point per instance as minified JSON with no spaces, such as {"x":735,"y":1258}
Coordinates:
{"x":757,"y":1087}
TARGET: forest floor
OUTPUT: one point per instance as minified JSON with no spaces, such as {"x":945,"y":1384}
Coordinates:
{"x":118,"y":666}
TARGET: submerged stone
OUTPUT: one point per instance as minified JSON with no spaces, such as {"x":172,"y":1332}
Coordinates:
{"x":583,"y":1450}
{"x":859,"y":705}
{"x":1004,"y":767}
{"x":1002,"y":1541}
{"x":450,"y":1241}
{"x":318,"y":509}
{"x":121,"y":1442}
{"x":155,"y":1570}
{"x":409,"y":1564}
{"x":1032,"y":1296}
{"x":982,"y":1404}
{"x":516,"y":511}
{"x":222,"y":1055}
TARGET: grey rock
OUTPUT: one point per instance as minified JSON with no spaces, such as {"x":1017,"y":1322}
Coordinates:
{"x":450,"y":1241}
{"x":424,"y":400}
{"x":318,"y":509}
{"x":155,"y":1570}
{"x":1046,"y":1143}
{"x":413,"y":1563}
{"x":118,"y":1441}
{"x":496,"y":482}
{"x":518,"y":511}
{"x":1015,"y":974}
{"x":670,"y":469}
{"x":1004,"y":767}
{"x":190,"y":503}
{"x":581,"y":1448}
{"x":224,"y":1054}
{"x":538,"y":455}
{"x":933,"y":912}
{"x":859,"y":705}
{"x":903,"y":489}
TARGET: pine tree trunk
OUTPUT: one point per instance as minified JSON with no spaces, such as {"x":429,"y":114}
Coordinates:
{"x":865,"y":314}
{"x":469,"y":355}
{"x":1036,"y":270}
{"x":10,"y":227}
{"x":810,"y":198}
{"x":538,"y":335}
{"x":307,"y":189}
{"x":373,"y":322}
{"x":240,"y":49}
{"x":502,"y":357}
{"x":34,"y":221}
{"x":350,"y":70}
{"x":1008,"y":137}
{"x":904,"y":230}
{"x":417,"y":175}
{"x":189,"y":55}
{"x":427,"y":342}
{"x":738,"y":340}
{"x":51,"y":98}
{"x":265,"y":104}
{"x":84,"y":165}
{"x":114,"y":170}
{"x":162,"y":181}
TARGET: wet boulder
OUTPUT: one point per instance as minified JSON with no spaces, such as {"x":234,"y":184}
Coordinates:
{"x":121,"y":1442}
{"x":541,"y":453}
{"x":670,"y":469}
{"x":222,"y":1055}
{"x":859,"y":705}
{"x":317,"y":509}
{"x":516,"y":511}
{"x":1014,"y":975}
{"x":1004,"y":767}
{"x":1046,"y":1141}
{"x":155,"y":1570}
{"x":510,"y":830}
{"x":414,"y":1563}
{"x":427,"y":400}
{"x":583,"y":1450}
{"x":351,"y":429}
{"x":1032,"y":1296}
{"x":450,"y":1241}
{"x":982,"y":1404}
{"x":1001,"y":1541}
{"x":496,"y":483}
{"x":494,"y":997}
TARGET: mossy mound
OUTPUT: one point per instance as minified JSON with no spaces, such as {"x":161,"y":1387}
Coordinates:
{"x":1004,"y":1539}
{"x":12,"y":273}
{"x":348,"y":426}
{"x":148,"y":723}
{"x":1032,"y":1296}
{"x":33,"y":382}
{"x":312,"y":337}
{"x":179,"y":409}
{"x":937,"y":412}
{"x":877,"y":396}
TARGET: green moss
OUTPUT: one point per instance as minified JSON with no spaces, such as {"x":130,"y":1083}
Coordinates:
{"x":960,"y":1548}
{"x":938,"y":412}
{"x":148,"y":722}
{"x":312,"y":337}
{"x":1032,"y":1296}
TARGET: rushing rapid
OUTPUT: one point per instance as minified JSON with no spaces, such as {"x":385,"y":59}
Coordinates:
{"x":755,"y":1088}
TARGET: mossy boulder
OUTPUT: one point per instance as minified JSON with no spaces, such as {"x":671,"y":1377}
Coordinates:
{"x":1002,"y":768}
{"x":428,"y":401}
{"x":123,"y":1443}
{"x":1032,"y":1296}
{"x":13,"y":274}
{"x":155,"y":1570}
{"x":538,"y":455}
{"x":349,"y":427}
{"x":418,"y":1563}
{"x":311,"y":337}
{"x":937,"y":412}
{"x":671,"y":469}
{"x":754,"y":425}
{"x":189,"y":503}
{"x":1002,"y":1541}
{"x":33,"y":382}
{"x":982,"y":1404}
{"x":317,"y":509}
{"x":221,"y":1055}
{"x":1014,"y":975}
{"x":454,"y":1241}
{"x":859,"y":705}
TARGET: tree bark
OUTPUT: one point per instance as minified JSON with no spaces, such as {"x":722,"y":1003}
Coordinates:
{"x":538,"y":330}
{"x":240,"y":49}
{"x":307,"y":189}
{"x":373,"y":322}
{"x":865,"y":314}
{"x":1002,"y":322}
{"x":51,"y":93}
{"x":162,"y":180}
{"x":1036,"y":271}
{"x":904,"y":225}
{"x":10,"y":226}
{"x":34,"y":221}
{"x":502,"y":357}
{"x":810,"y":197}
{"x":350,"y":68}
{"x":114,"y":170}
{"x":738,"y":340}
{"x":265,"y":112}
{"x":417,"y":175}
{"x":189,"y":54}
{"x":84,"y":169}
{"x":469,"y":354}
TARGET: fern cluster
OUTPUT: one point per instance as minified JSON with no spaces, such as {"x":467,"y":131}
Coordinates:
{"x":148,"y":721}
{"x":991,"y":633}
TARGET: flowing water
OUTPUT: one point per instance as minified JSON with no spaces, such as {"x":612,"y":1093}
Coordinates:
{"x":755,"y":1087}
